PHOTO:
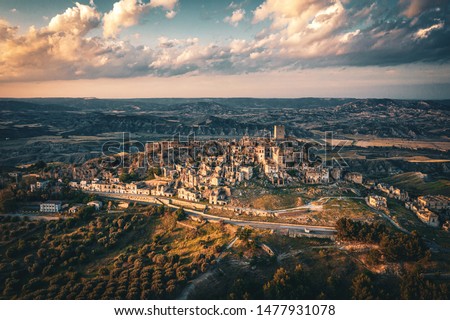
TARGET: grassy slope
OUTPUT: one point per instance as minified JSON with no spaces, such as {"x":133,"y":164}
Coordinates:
{"x":416,"y":184}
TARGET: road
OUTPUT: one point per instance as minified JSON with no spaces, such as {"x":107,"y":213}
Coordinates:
{"x":302,"y":229}
{"x":388,"y":218}
{"x":311,"y":206}
{"x":30,"y":216}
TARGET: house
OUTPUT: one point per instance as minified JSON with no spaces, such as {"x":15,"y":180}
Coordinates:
{"x":73,"y":184}
{"x":383,"y":188}
{"x":317,"y":175}
{"x":163,"y":189}
{"x":354,"y":177}
{"x":215,"y":181}
{"x":50,"y":206}
{"x":75,"y":208}
{"x":96,"y":204}
{"x":437,"y":203}
{"x":248,"y":172}
{"x":336,"y":174}
{"x":188,"y":194}
{"x":40,"y":185}
{"x":377,"y":202}
{"x":220,"y":196}
{"x":428,"y":217}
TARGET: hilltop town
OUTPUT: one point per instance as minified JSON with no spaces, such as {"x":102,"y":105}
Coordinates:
{"x":210,"y":176}
{"x":249,"y":203}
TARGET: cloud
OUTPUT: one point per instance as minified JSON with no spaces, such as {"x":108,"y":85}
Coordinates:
{"x":235,"y":17}
{"x":317,"y":33}
{"x":416,"y":7}
{"x":171,"y":14}
{"x":233,"y":5}
{"x":301,"y":29}
{"x":292,"y":35}
{"x":61,"y":50}
{"x":424,"y":33}
{"x":78,"y":20}
{"x":165,"y":4}
{"x":13,"y":10}
{"x":126,"y":13}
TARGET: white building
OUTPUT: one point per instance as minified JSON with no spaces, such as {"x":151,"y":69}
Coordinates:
{"x":377,"y":202}
{"x":51,"y":206}
{"x":96,"y":204}
{"x":189,"y":195}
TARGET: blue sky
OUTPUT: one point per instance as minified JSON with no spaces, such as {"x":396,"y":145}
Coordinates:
{"x":276,"y":48}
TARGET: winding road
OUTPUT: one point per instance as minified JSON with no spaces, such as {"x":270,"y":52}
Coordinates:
{"x":301,"y":229}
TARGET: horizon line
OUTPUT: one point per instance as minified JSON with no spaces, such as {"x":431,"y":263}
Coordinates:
{"x":233,"y":97}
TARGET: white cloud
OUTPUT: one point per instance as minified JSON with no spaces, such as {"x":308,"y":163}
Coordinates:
{"x":171,"y":14}
{"x":235,"y":17}
{"x":301,"y":29}
{"x":165,"y":4}
{"x":13,"y":10}
{"x":233,"y":5}
{"x":78,"y":20}
{"x":425,"y":32}
{"x":350,"y":35}
{"x":126,"y":13}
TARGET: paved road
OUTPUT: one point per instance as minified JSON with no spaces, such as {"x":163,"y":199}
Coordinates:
{"x":304,"y":229}
{"x":35,"y":216}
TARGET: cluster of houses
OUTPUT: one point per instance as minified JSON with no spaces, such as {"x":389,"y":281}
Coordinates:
{"x":208,"y":170}
{"x":431,"y":210}
{"x":392,"y":192}
{"x":112,"y":185}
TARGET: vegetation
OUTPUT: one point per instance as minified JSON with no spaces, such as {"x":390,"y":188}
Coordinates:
{"x":396,"y":246}
{"x":417,"y":183}
{"x":128,"y":177}
{"x":148,"y":255}
{"x":100,"y":256}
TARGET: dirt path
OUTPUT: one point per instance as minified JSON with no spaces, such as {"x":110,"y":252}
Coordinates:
{"x":204,"y":277}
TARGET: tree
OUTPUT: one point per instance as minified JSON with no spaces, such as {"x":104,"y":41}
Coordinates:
{"x":180,"y":214}
{"x":244,"y":234}
{"x":413,"y":286}
{"x":8,"y":201}
{"x":280,"y":286}
{"x":86,"y":213}
{"x":39,"y":165}
{"x":362,"y":287}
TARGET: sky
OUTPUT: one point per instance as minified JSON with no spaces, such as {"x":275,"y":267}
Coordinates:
{"x":249,"y":48}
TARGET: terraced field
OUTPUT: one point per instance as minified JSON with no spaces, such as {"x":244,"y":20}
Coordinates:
{"x":417,"y":183}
